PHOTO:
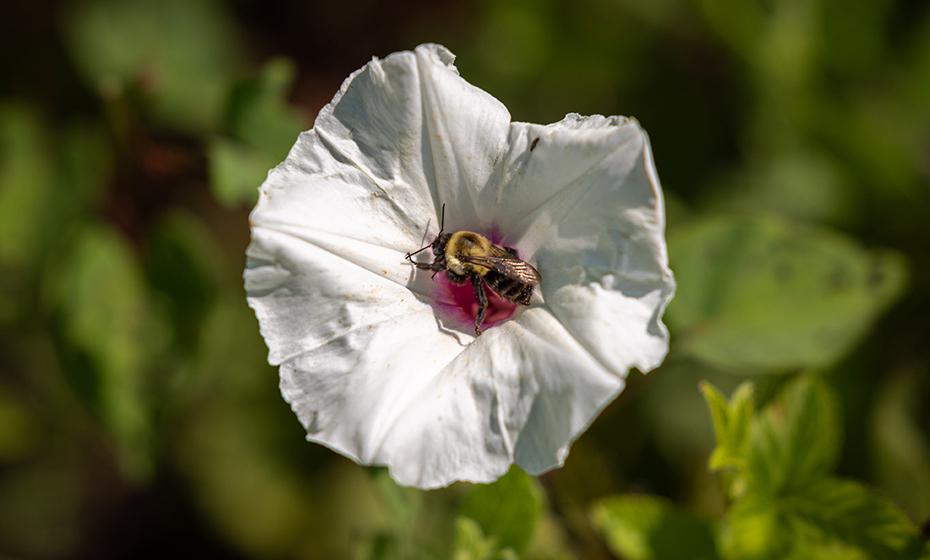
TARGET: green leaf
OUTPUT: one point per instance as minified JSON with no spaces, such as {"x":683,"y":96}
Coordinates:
{"x":844,"y":511}
{"x":732,"y":421}
{"x":826,"y":551}
{"x":86,"y":165}
{"x":760,"y":294}
{"x":263,"y":129}
{"x":796,"y":440}
{"x":259,"y":114}
{"x":236,"y":171}
{"x":106,"y":318}
{"x":470,"y":542}
{"x":179,"y":55}
{"x":18,"y":427}
{"x":46,"y":181}
{"x":403,"y":504}
{"x":507,"y":510}
{"x":652,"y":528}
{"x":822,"y":521}
{"x":27,"y":193}
{"x":797,"y":183}
{"x":791,"y":507}
{"x":184,"y":265}
{"x":754,"y":530}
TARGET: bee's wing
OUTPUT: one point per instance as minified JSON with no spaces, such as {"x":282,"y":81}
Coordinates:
{"x":509,"y":266}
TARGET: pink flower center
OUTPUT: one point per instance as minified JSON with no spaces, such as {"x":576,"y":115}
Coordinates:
{"x":461,"y":301}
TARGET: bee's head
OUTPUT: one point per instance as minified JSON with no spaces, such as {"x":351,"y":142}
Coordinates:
{"x":439,"y":244}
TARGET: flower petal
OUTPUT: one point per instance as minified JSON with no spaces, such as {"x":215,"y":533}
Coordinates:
{"x":585,"y":204}
{"x":403,"y":135}
{"x":309,"y":288}
{"x":402,"y":394}
{"x":358,"y":190}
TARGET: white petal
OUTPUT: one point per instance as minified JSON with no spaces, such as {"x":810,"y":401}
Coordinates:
{"x":307,"y":290}
{"x":391,"y":394}
{"x":403,"y":135}
{"x":585,"y":204}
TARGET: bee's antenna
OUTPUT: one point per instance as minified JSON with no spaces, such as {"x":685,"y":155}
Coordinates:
{"x":442,"y":224}
{"x":408,"y":255}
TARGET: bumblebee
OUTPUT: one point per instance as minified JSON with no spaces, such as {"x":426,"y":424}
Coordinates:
{"x":469,"y":256}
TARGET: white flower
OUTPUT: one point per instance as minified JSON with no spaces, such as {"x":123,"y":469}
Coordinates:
{"x":378,"y":360}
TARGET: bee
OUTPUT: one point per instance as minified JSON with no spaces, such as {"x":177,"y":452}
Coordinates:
{"x":469,"y":256}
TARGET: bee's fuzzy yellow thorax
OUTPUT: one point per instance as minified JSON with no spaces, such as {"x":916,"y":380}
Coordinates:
{"x":466,"y":243}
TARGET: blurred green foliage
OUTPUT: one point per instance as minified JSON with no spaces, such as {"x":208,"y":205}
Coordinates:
{"x":178,"y":56}
{"x":262,"y":128}
{"x":642,"y":527}
{"x":784,"y":502}
{"x":138,"y":417}
{"x":762,"y":294}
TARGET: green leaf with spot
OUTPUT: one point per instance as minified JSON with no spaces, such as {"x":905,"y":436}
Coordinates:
{"x":760,"y":294}
{"x":652,"y":528}
{"x":507,"y":510}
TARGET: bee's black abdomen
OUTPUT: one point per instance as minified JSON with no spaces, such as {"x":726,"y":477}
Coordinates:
{"x":508,"y":288}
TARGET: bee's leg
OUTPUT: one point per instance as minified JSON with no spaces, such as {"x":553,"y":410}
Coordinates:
{"x":435,"y":266}
{"x":482,"y":302}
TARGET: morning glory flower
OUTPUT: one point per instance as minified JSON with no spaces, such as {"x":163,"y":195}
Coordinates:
{"x":378,"y":359}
